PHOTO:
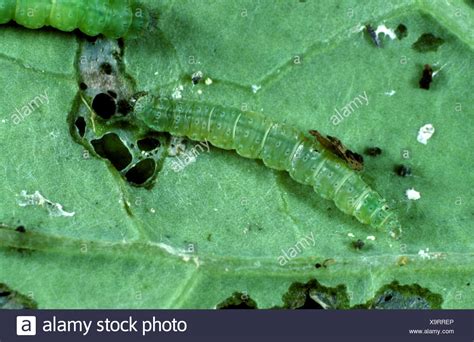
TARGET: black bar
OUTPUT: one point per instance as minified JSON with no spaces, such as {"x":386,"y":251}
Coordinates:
{"x":248,"y":325}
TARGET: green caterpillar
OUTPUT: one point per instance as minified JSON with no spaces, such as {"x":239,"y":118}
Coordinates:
{"x":280,"y":146}
{"x":112,"y":18}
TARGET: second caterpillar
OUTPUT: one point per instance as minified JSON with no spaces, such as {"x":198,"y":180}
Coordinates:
{"x":280,"y":146}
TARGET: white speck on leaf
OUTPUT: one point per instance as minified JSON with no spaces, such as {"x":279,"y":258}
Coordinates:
{"x":358,"y":28}
{"x":256,"y":88}
{"x":197,"y":75}
{"x":208,"y":81}
{"x":424,"y":133}
{"x":424,"y":254}
{"x":390,"y":93}
{"x":412,"y":194}
{"x":386,"y":31}
{"x":435,"y":73}
{"x":177,"y":92}
{"x":371,"y":238}
{"x":54,"y":209}
{"x":350,"y":235}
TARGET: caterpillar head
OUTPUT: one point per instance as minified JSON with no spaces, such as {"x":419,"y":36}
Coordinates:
{"x":373,"y":210}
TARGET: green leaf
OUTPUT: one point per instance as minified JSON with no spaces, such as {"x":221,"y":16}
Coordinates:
{"x":218,"y":227}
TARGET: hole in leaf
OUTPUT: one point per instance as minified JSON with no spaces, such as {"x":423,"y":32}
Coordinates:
{"x":112,"y":148}
{"x":106,"y":68}
{"x":313,"y":295}
{"x":396,"y":296}
{"x":358,"y":244}
{"x":401,"y":31}
{"x":81,"y":126}
{"x":427,"y":42}
{"x":20,"y":229}
{"x":121,"y":43}
{"x":124,"y":107}
{"x":148,"y":144}
{"x":426,"y":77}
{"x":104,"y":105}
{"x":10,"y":299}
{"x":373,"y":151}
{"x":238,"y":300}
{"x":141,"y":172}
{"x":402,"y":170}
{"x":112,"y":93}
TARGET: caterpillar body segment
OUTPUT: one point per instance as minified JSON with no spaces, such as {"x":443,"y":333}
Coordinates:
{"x":280,"y":146}
{"x":112,"y":18}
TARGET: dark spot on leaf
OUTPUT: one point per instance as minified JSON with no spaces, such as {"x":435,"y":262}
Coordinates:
{"x":148,"y":144}
{"x":112,"y":93}
{"x":373,"y":36}
{"x":20,"y":229}
{"x":402,"y":170}
{"x":238,"y":300}
{"x":121,"y":43}
{"x":141,"y":172}
{"x":124,"y":107}
{"x":318,"y":265}
{"x":195,"y":79}
{"x":104,"y":105}
{"x":80,"y":124}
{"x":112,"y":148}
{"x":401,"y":31}
{"x":427,"y":42}
{"x":82,"y":86}
{"x":426,"y":77}
{"x":358,"y":244}
{"x":373,"y":151}
{"x":106,"y":68}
